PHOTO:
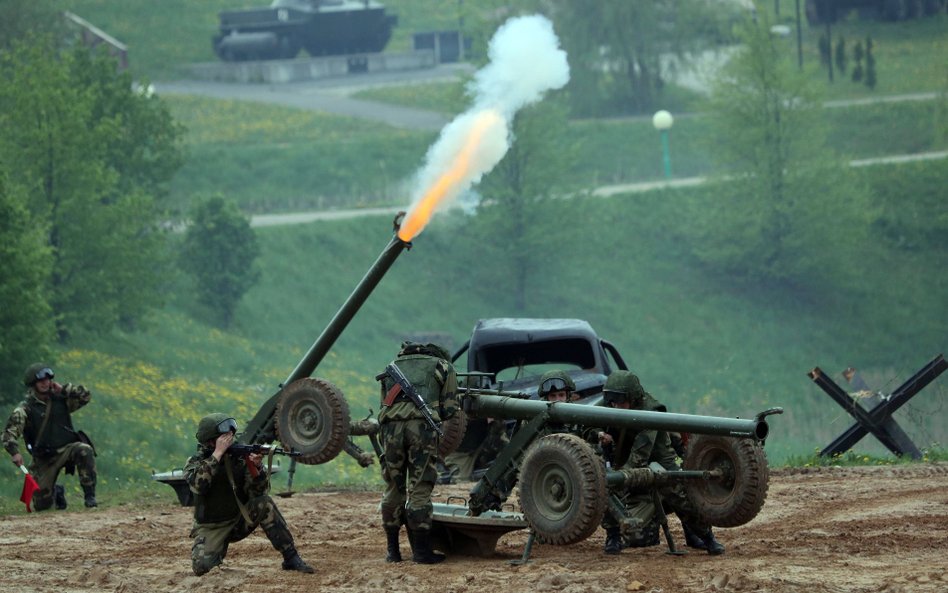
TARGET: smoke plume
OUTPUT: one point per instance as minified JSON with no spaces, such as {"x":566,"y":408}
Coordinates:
{"x":525,"y":62}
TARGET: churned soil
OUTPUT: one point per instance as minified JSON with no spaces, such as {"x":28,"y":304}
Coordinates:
{"x":821,"y":530}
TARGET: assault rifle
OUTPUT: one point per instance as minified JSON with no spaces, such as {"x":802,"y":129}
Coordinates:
{"x":243,"y":451}
{"x":240,"y":450}
{"x":403,"y":384}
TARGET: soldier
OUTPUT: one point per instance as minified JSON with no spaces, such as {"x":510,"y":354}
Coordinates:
{"x":483,"y":441}
{"x":230,"y":499}
{"x":410,"y":446}
{"x":44,"y":420}
{"x":632,"y":450}
{"x":556,"y":386}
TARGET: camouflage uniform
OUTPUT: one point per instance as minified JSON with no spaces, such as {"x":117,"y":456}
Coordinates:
{"x":410,"y":445}
{"x":218,"y":517}
{"x":59,"y":444}
{"x":481,"y":444}
{"x":637,"y":449}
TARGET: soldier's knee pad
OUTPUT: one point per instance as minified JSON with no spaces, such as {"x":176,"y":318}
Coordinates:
{"x":42,"y":500}
{"x":204,"y":564}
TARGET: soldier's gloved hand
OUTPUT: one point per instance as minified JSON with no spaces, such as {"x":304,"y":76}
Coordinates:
{"x":17,"y":460}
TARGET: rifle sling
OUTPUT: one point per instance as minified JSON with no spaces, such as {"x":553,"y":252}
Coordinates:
{"x":233,"y":487}
{"x":49,"y":409}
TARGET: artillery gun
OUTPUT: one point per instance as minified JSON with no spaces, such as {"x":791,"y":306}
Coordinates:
{"x":310,"y":415}
{"x":564,"y":484}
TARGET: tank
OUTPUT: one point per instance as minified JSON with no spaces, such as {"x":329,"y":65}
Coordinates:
{"x":321,"y":27}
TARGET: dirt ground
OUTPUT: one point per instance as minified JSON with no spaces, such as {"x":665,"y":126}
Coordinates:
{"x":821,"y":530}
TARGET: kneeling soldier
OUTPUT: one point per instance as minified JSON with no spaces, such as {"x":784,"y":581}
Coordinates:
{"x":637,"y":449}
{"x":230,"y":499}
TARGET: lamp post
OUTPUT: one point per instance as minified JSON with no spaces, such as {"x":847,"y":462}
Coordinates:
{"x":662,"y":120}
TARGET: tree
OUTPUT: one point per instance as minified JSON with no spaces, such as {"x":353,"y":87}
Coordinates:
{"x":870,"y":65}
{"x":27,"y":19}
{"x":841,"y":59}
{"x":91,"y":156}
{"x":621,"y":51}
{"x":219,"y":252}
{"x":795,"y":209}
{"x":857,"y":62}
{"x":27,"y":327}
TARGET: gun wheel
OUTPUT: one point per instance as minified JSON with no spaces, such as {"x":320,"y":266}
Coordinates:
{"x":454,"y":429}
{"x":312,"y":417}
{"x":736,"y":498}
{"x":562,"y":489}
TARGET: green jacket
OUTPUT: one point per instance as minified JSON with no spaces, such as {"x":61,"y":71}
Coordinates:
{"x":434,"y":379}
{"x":634,"y":449}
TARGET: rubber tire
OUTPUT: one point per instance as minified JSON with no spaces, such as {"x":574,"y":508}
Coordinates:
{"x":568,"y":464}
{"x":737,"y":498}
{"x":312,"y":417}
{"x":454,"y":429}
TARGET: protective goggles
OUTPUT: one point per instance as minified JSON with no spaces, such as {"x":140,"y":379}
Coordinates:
{"x":227,"y":425}
{"x":611,"y":398}
{"x":553,"y":384}
{"x":46,"y":373}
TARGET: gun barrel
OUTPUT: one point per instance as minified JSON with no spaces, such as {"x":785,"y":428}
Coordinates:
{"x":492,"y":406}
{"x":347,"y":311}
{"x":260,"y":428}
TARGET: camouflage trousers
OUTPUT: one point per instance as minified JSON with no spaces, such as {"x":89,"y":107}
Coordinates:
{"x":74,"y":456}
{"x":642,"y":516}
{"x":408,"y":468}
{"x":212,"y":539}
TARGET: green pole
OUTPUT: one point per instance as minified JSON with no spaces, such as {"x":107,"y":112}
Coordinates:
{"x":666,"y":155}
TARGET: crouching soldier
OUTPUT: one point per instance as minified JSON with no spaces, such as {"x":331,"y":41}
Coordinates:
{"x":230,"y":499}
{"x":410,"y":444}
{"x":44,"y":420}
{"x":633,"y":450}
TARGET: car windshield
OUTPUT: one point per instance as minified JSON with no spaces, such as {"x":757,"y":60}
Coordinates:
{"x":518,"y":361}
{"x":533,"y":372}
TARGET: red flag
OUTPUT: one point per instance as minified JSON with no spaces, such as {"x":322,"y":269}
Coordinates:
{"x":29,"y":487}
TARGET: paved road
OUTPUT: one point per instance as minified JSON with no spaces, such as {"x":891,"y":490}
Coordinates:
{"x":333,"y":95}
{"x":264,"y":220}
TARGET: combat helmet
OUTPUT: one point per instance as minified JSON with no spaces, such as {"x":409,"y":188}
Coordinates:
{"x":35,"y":372}
{"x":551,"y":381}
{"x":623,"y":386}
{"x":429,"y":349}
{"x":213,"y":425}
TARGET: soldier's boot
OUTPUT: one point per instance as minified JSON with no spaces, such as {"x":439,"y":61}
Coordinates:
{"x":692,"y":540}
{"x":613,"y":541}
{"x":394,"y":553}
{"x":89,"y":492}
{"x":59,"y":496}
{"x":713,"y":546}
{"x":421,"y":552}
{"x":292,"y":561}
